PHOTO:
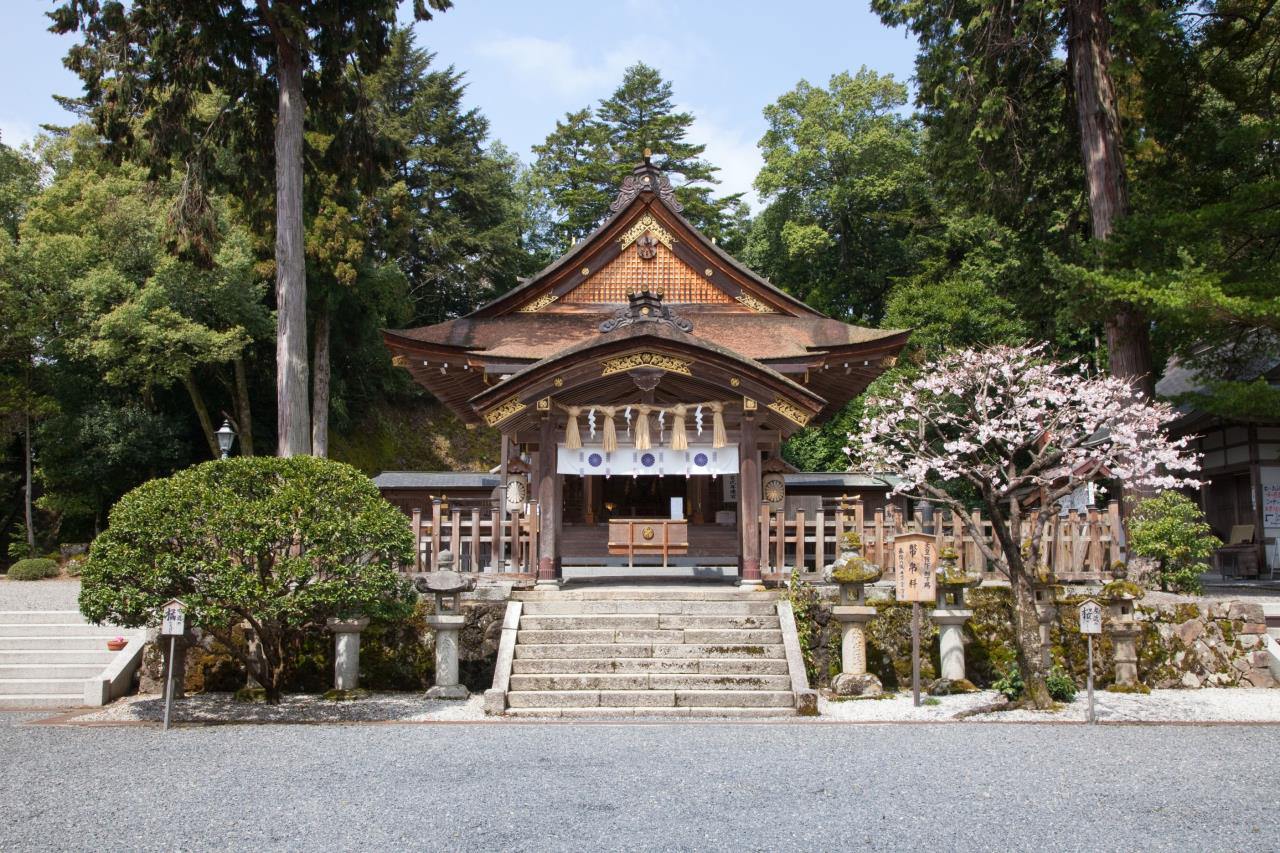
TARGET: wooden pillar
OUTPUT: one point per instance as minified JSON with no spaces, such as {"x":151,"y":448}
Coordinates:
{"x":550,"y":504}
{"x":749,"y":503}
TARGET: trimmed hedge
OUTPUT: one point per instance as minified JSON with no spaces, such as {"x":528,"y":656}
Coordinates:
{"x":33,"y":569}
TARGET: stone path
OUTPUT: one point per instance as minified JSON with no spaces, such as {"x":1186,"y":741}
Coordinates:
{"x":532,"y":786}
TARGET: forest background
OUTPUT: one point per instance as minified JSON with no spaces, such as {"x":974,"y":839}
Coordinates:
{"x":137,"y":246}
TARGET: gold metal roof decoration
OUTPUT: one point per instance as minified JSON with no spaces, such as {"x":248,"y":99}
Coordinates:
{"x":645,"y":359}
{"x":790,"y":411}
{"x":754,"y":304}
{"x":539,"y":303}
{"x":646,"y":225}
{"x":502,"y":411}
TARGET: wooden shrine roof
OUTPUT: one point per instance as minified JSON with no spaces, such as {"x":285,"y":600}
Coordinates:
{"x":645,"y":244}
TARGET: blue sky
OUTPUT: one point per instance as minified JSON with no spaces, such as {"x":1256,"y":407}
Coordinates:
{"x":529,"y":63}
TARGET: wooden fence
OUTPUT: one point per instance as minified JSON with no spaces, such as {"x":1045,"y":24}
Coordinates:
{"x":1078,"y":546}
{"x":481,"y":540}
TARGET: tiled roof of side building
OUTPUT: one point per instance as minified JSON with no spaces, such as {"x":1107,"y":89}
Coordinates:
{"x":437,"y":480}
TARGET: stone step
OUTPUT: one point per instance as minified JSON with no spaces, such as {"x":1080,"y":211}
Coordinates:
{"x":650,"y":698}
{"x":650,"y":681}
{"x":100,"y":656}
{"x":655,"y":713}
{"x":650,"y":650}
{"x":46,"y":686}
{"x":10,"y":701}
{"x":40,"y":669}
{"x":646,"y":593}
{"x":26,"y":617}
{"x":634,"y":621}
{"x":56,"y":643}
{"x":624,"y":666}
{"x":650,"y":607}
{"x":58,"y":629}
{"x":629,"y":635}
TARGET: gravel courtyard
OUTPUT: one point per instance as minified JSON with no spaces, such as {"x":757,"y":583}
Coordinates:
{"x":708,"y":786}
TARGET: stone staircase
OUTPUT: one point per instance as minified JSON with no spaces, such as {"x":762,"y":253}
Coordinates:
{"x":645,"y":651}
{"x":46,"y":656}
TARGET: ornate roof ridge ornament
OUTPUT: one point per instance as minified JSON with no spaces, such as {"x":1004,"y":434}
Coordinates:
{"x":645,"y":177}
{"x":645,"y":306}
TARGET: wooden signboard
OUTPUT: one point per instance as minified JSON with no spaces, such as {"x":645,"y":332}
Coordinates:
{"x":915,"y":560}
{"x":1090,"y":617}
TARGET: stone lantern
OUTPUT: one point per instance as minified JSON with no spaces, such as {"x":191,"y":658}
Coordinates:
{"x":447,"y":586}
{"x":852,"y":573}
{"x":1122,"y":598}
{"x":951,"y":612}
{"x":1046,"y":591}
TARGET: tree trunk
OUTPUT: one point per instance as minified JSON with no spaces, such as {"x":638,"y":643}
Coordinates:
{"x":1026,"y":622}
{"x":320,"y":385}
{"x":244,"y":414}
{"x":28,"y":502}
{"x":291,"y":279}
{"x":1102,"y":153}
{"x":202,"y":412}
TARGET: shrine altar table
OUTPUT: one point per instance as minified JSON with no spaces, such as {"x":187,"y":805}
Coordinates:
{"x":663,"y":536}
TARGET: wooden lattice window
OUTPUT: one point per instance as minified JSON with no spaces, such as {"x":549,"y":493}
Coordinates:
{"x":665,"y":272}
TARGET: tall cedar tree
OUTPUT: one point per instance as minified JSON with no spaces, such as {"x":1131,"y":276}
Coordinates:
{"x":992,"y":81}
{"x":583,"y":161}
{"x":452,"y":210}
{"x":147,"y":69}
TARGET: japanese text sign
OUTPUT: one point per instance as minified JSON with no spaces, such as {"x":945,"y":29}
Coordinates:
{"x":1090,"y":617}
{"x":915,"y":561}
{"x":174,"y":621}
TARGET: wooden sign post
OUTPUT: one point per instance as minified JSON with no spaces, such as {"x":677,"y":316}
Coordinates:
{"x":915,"y":559}
{"x":173,"y":623}
{"x":1090,"y":624}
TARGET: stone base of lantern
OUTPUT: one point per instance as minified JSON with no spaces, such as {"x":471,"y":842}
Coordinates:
{"x":853,"y":620}
{"x":346,"y":651}
{"x":1125,"y":642}
{"x":950,"y":624}
{"x":863,"y":684}
{"x":447,"y":627}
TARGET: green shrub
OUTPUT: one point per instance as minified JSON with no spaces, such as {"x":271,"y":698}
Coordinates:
{"x":74,"y":567}
{"x":1009,"y":685}
{"x":1061,"y":687}
{"x":33,"y":569}
{"x":287,"y":543}
{"x":1171,"y":530}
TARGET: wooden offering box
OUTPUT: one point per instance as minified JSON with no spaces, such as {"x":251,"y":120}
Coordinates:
{"x":663,"y":536}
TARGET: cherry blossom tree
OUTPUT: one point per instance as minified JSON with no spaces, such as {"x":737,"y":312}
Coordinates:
{"x":1014,"y":425}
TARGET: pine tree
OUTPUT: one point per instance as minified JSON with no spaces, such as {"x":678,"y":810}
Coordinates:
{"x":584,"y":160}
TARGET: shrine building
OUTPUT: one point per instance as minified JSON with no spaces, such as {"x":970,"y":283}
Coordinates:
{"x":643,"y":384}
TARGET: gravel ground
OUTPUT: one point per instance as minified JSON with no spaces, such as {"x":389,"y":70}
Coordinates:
{"x":221,"y":707}
{"x":39,"y":595}
{"x":709,"y":786}
{"x":1161,"y":706}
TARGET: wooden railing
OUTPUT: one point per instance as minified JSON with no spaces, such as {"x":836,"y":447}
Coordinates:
{"x":1077,"y":546}
{"x":481,"y":540}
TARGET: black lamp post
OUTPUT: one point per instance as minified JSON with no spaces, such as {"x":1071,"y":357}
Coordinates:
{"x":226,"y":437}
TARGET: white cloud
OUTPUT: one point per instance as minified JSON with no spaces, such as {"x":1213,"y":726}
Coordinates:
{"x":731,"y":148}
{"x":16,"y":132}
{"x":538,"y":64}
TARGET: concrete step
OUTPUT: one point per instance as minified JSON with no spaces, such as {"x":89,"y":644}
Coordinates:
{"x":98,"y":656}
{"x":626,"y":666}
{"x":650,"y":650}
{"x":26,"y":617}
{"x":10,"y":701}
{"x":647,"y":593}
{"x":650,"y":607}
{"x":58,"y":629}
{"x":656,"y":713}
{"x":628,"y":635}
{"x":649,"y":681}
{"x":650,"y":698}
{"x":57,"y":643}
{"x":41,"y":669}
{"x":47,"y":686}
{"x":635,"y":621}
